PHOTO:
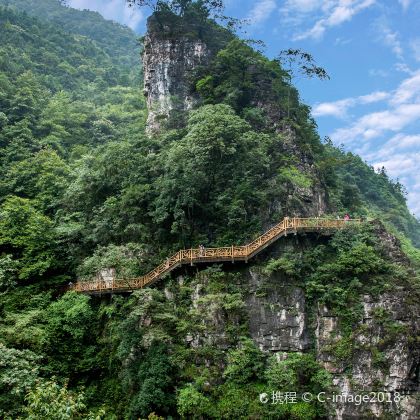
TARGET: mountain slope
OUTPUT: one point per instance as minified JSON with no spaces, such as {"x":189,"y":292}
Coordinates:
{"x":118,"y":41}
{"x":84,"y":188}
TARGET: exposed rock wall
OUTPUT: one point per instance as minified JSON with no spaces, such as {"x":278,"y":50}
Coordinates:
{"x":382,"y":355}
{"x":379,"y":361}
{"x":278,"y":319}
{"x":168,"y":62}
{"x":276,"y":310}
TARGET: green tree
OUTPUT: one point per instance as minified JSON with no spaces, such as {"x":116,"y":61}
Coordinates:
{"x":241,"y":77}
{"x":245,"y":364}
{"x":65,"y":122}
{"x":297,"y":62}
{"x":29,"y":236}
{"x":181,"y":7}
{"x":28,"y":99}
{"x":154,"y":386}
{"x":69,"y":340}
{"x":211,"y":175}
{"x":42,"y":177}
{"x":192,"y":404}
{"x":8,"y":271}
{"x":50,"y":401}
{"x":300,"y":373}
{"x":19,"y":369}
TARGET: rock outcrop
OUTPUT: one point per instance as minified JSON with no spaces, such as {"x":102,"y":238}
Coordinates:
{"x":277,"y":317}
{"x":167,"y":62}
{"x":381,"y":359}
{"x":170,"y":57}
{"x":381,"y":356}
{"x":381,"y":362}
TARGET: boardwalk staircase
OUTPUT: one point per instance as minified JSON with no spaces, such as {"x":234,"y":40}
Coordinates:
{"x":207,"y":255}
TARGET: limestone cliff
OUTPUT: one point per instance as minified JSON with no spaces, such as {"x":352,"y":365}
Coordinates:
{"x":382,"y":355}
{"x":167,"y":63}
{"x":173,"y":50}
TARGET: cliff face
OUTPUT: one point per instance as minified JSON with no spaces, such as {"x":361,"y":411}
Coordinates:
{"x":379,"y":360}
{"x":381,"y":357}
{"x":168,"y":61}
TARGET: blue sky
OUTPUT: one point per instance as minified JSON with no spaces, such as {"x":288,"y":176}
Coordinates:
{"x":370,"y":48}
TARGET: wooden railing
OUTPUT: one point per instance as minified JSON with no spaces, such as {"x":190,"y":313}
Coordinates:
{"x":229,"y":253}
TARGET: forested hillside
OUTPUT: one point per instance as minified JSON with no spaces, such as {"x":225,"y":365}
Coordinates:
{"x":117,"y":41}
{"x":84,"y":187}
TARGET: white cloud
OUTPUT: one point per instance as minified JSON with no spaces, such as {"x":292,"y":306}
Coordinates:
{"x":403,"y":68}
{"x":378,"y":73}
{"x":391,"y":39}
{"x":341,"y":41}
{"x":377,"y":123}
{"x":397,"y":144}
{"x":373,"y":97}
{"x":403,"y":165}
{"x":404,"y":109}
{"x":415,"y":47}
{"x":339,"y":108}
{"x":405,"y":4}
{"x":400,"y":153}
{"x":400,"y":165}
{"x":302,"y":6}
{"x":409,"y":90}
{"x":116,"y":10}
{"x":400,"y":156}
{"x":261,"y":11}
{"x":330,"y":13}
{"x":388,"y":37}
{"x":336,"y":109}
{"x":413,"y":199}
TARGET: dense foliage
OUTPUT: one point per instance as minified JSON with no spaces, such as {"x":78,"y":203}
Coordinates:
{"x":116,"y":40}
{"x":82,"y":188}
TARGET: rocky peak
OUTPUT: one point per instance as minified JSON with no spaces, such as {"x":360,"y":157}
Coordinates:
{"x":174,"y":50}
{"x":169,"y":59}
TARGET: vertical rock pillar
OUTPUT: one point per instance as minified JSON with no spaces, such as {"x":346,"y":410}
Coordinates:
{"x":169,"y":59}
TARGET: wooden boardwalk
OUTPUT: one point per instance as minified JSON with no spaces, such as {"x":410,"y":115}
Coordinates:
{"x":230,"y":253}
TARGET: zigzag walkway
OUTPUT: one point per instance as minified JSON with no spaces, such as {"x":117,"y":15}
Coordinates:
{"x":231,"y":253}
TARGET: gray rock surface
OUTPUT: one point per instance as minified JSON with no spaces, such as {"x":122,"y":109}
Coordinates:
{"x":381,"y":361}
{"x":383,"y":353}
{"x":167,"y":63}
{"x":277,"y":316}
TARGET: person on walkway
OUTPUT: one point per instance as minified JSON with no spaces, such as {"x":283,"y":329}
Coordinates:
{"x":202,"y":250}
{"x":347,"y":217}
